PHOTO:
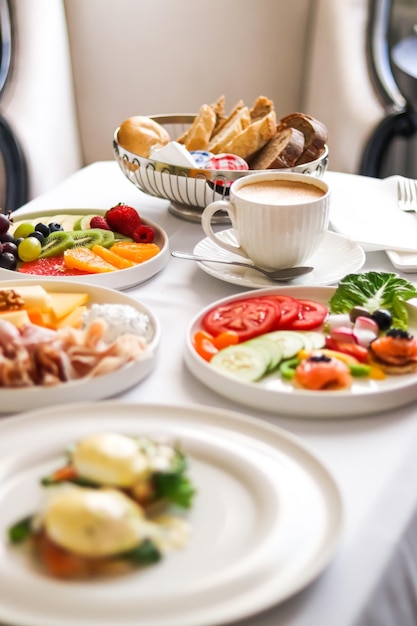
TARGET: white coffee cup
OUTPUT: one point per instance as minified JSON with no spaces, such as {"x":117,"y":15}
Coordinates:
{"x":279,"y":219}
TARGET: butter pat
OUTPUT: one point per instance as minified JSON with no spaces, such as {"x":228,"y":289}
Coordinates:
{"x":173,"y":153}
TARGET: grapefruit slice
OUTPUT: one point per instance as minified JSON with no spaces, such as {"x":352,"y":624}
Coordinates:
{"x":51,"y":266}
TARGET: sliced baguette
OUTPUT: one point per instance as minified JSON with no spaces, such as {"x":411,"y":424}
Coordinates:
{"x":226,"y":119}
{"x":282,"y":151}
{"x":261,"y":107}
{"x":253,"y":138}
{"x":218,"y":108}
{"x":236,"y":124}
{"x":200,"y":131}
{"x":315,"y":135}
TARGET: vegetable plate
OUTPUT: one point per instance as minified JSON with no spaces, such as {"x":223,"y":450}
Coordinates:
{"x":318,"y":352}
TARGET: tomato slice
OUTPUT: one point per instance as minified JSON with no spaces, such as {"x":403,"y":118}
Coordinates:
{"x":290,"y":308}
{"x":247,"y":317}
{"x":310,"y":315}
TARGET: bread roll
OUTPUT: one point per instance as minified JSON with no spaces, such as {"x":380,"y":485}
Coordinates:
{"x":139,"y":134}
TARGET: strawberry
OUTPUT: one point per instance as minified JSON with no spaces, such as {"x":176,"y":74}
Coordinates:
{"x":143,"y":234}
{"x":123,"y":219}
{"x":99,"y":222}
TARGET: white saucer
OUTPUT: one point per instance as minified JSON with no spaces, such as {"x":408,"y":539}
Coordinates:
{"x":336,"y":257}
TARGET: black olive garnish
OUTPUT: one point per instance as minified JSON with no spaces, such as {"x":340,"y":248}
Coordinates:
{"x":319,"y":358}
{"x":398,"y":333}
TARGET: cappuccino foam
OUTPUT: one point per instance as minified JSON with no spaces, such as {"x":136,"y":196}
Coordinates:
{"x":280,"y":192}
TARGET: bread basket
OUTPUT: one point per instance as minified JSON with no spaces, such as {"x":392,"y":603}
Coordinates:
{"x":190,"y":190}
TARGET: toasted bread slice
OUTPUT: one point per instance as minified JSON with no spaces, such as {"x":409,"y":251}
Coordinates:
{"x":226,"y":119}
{"x":201,"y":129}
{"x":218,"y":108}
{"x":282,"y":151}
{"x":253,"y":137}
{"x":315,"y":135}
{"x":261,"y":107}
{"x":236,"y":124}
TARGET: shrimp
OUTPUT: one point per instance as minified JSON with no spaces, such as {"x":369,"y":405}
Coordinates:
{"x":320,"y":372}
{"x":397,"y":347}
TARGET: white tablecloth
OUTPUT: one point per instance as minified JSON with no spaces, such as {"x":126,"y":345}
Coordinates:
{"x":372,"y":579}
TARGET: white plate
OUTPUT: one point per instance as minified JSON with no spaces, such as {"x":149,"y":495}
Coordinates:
{"x":121,"y":279}
{"x":403,"y":261}
{"x":366,"y":210}
{"x":336,"y":257}
{"x":266,"y":520}
{"x":13,"y":400}
{"x":281,"y":397}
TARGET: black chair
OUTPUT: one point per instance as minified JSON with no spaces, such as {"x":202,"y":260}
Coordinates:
{"x":14,"y":162}
{"x":401,"y":115}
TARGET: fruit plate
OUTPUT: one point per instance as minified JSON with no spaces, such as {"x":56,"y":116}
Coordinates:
{"x":120,"y":279}
{"x":277,"y":396}
{"x":13,"y":400}
{"x":266,"y":520}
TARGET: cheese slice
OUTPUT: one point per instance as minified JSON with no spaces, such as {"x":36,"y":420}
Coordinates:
{"x":34,"y":297}
{"x":18,"y":318}
{"x":64,"y":303}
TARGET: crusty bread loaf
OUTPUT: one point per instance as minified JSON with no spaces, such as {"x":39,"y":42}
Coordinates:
{"x":139,"y":134}
{"x":282,"y":151}
{"x":315,"y":135}
{"x":201,"y":129}
{"x":253,"y":138}
{"x":236,"y":124}
{"x":253,"y":134}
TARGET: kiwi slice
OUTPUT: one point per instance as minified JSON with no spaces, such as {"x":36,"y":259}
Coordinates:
{"x":120,"y":237}
{"x":83,"y":223}
{"x":92,"y":236}
{"x":56,"y":243}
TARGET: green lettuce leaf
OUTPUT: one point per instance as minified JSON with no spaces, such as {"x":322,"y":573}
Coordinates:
{"x":375,"y":290}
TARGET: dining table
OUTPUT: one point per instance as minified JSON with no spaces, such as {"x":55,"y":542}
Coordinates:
{"x":371,"y":579}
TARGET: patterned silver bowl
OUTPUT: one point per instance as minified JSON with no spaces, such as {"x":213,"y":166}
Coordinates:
{"x":190,"y":190}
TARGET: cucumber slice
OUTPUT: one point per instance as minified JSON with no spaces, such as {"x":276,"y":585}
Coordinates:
{"x":271,"y":348}
{"x":317,"y":339}
{"x":289,"y":341}
{"x":245,"y":362}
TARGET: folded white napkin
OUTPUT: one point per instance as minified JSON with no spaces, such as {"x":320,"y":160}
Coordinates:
{"x":366,"y":210}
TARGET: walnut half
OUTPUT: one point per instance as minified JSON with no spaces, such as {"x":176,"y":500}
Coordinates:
{"x":10,"y":300}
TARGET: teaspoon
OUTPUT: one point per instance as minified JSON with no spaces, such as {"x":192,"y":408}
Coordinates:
{"x":278,"y":275}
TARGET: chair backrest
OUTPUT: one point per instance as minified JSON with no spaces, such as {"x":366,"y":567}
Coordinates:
{"x":13,"y":162}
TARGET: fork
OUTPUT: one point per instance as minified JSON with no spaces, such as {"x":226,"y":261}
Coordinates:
{"x":407,"y":194}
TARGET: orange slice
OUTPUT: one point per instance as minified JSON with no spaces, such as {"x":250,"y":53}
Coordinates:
{"x":137,"y":252}
{"x":111,"y":257}
{"x":84,"y":259}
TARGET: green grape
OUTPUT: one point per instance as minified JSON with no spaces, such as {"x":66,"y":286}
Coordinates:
{"x":29,"y":249}
{"x":23,"y":230}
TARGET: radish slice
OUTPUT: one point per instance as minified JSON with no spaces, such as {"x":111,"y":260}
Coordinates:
{"x":366,"y":323}
{"x":344,"y":334}
{"x":364,"y":337}
{"x":335,"y":320}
